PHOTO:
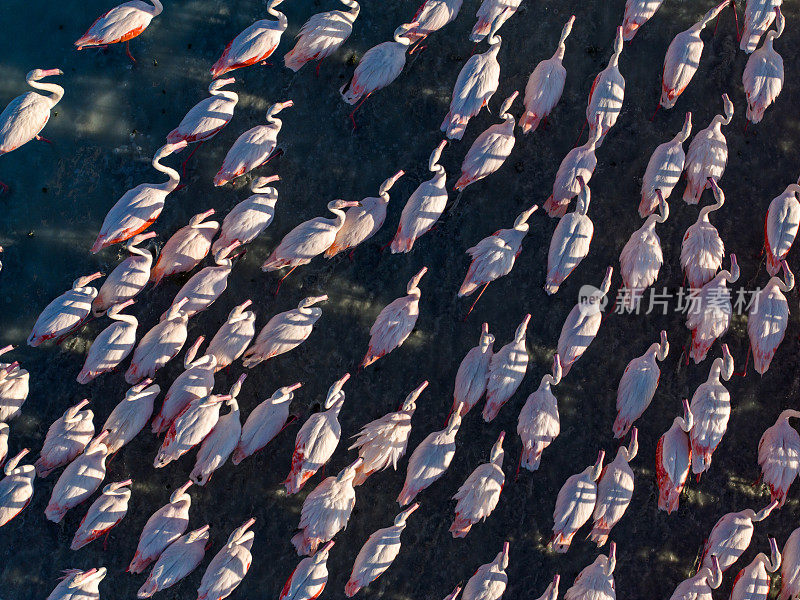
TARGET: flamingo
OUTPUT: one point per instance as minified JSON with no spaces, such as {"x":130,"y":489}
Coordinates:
{"x":683,"y":58}
{"x":641,"y":258}
{"x":763,"y":74}
{"x":104,"y":514}
{"x":664,"y":169}
{"x":127,"y":279}
{"x":251,"y":216}
{"x":582,"y":324}
{"x":377,"y":553}
{"x":79,"y":480}
{"x":710,"y":314}
{"x":382,"y":443}
{"x":254,"y":147}
{"x":284,"y":332}
{"x":473,"y":373}
{"x":507,"y":369}
{"x":16,"y":488}
{"x":702,"y":248}
{"x":574,"y":504}
{"x":700,"y":585}
{"x":220,"y":443}
{"x":309,"y":577}
{"x":637,"y":13}
{"x":779,"y":456}
{"x":179,"y":559}
{"x":492,"y":14}
{"x":780,"y":227}
{"x":476,"y":84}
{"x":322,"y":35}
{"x":545,"y":85}
{"x":78,"y":584}
{"x":430,"y":459}
{"x":432,"y":16}
{"x":753,"y":582}
{"x":454,"y":594}
{"x":758,"y":17}
{"x":326,"y":511}
{"x":190,"y":428}
{"x":363,"y":221}
{"x":539,"y":423}
{"x":596,"y":581}
{"x":790,"y":567}
{"x":186,"y":248}
{"x":234,"y":336}
{"x":112,"y":345}
{"x":163,"y":528}
{"x":229,"y":566}
{"x":490,"y":580}
{"x":395,"y":322}
{"x":570,"y":242}
{"x":120,"y":24}
{"x":66,"y":439}
{"x":607,"y":95}
{"x":707,"y":155}
{"x":27,"y":114}
{"x":309,"y":239}
{"x":159,"y":345}
{"x":577,"y":165}
{"x":317,"y":439}
{"x":424,"y":207}
{"x":614,"y":491}
{"x":379,"y":67}
{"x":130,"y":416}
{"x":5,"y":431}
{"x":265,"y":422}
{"x":711,"y":408}
{"x":674,"y":459}
{"x":638,"y":384}
{"x":253,"y":45}
{"x":479,"y":494}
{"x":66,"y":313}
{"x":14,"y":388}
{"x":490,"y":149}
{"x":731,"y":536}
{"x":768,"y":318}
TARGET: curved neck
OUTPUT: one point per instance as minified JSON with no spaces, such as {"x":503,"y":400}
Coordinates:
{"x":706,"y":210}
{"x":227,"y":94}
{"x":129,"y":319}
{"x":174,"y":177}
{"x":338,"y":220}
{"x":354,"y":9}
{"x":282,"y":21}
{"x":57,"y":92}
{"x":158,"y":8}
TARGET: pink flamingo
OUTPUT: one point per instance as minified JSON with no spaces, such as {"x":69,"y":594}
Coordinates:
{"x":284,"y":332}
{"x":251,"y":216}
{"x":79,"y":584}
{"x":139,"y":207}
{"x":614,"y":491}
{"x":707,"y":155}
{"x":424,"y":207}
{"x":702,"y":248}
{"x":66,"y":313}
{"x":673,"y":460}
{"x":66,"y":439}
{"x":264,"y":422}
{"x":309,"y":577}
{"x":507,"y":369}
{"x":490,"y":149}
{"x":638,"y":384}
{"x":186,"y":248}
{"x":574,"y":504}
{"x":104,"y":514}
{"x":779,"y":456}
{"x":570,"y":242}
{"x":763,"y":74}
{"x":27,"y":114}
{"x":234,"y":336}
{"x":229,"y":566}
{"x":180,"y":558}
{"x":637,"y":13}
{"x":111,"y":346}
{"x":492,"y":14}
{"x":545,"y":85}
{"x":596,"y":581}
{"x":158,"y":346}
{"x":127,"y":279}
{"x":163,"y":528}
{"x":710,"y":312}
{"x":473,"y":373}
{"x":790,"y":567}
{"x":664,"y":169}
{"x":16,"y":488}
{"x":731,"y":536}
{"x":539,"y":423}
{"x":14,"y":388}
{"x":130,"y":416}
{"x":317,"y":439}
{"x":490,"y":580}
{"x":768,"y":318}
{"x":607,"y":94}
{"x":780,"y":227}
{"x":322,"y":35}
{"x":580,"y":163}
{"x":683,"y":58}
{"x":699,"y":586}
{"x":253,"y":148}
{"x":363,"y":221}
{"x":753,"y":582}
{"x":479,"y":494}
{"x":711,"y":409}
{"x":253,"y":45}
{"x":432,"y":16}
{"x":120,"y":24}
{"x":758,"y":17}
{"x":430,"y":459}
{"x":395,"y":322}
{"x":641,"y":258}
{"x":382,"y":443}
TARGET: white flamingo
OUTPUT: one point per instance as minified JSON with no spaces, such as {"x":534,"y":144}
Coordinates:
{"x":768,"y":319}
{"x":66,"y":439}
{"x":264,"y":422}
{"x":432,"y":16}
{"x":473,"y":373}
{"x":479,"y":494}
{"x":309,"y":577}
{"x":664,"y":169}
{"x":574,"y":504}
{"x":130,"y":416}
{"x":699,"y":586}
{"x":702,"y":248}
{"x":207,"y":118}
{"x":79,"y":584}
{"x":112,"y":345}
{"x":570,"y":242}
{"x":707,"y":155}
{"x":731,"y":535}
{"x":608,"y":94}
{"x":245,"y":221}
{"x":779,"y":456}
{"x":490,"y":580}
{"x":758,"y":17}
{"x":596,"y":582}
{"x":637,"y":13}
{"x":674,"y":460}
{"x":491,"y":16}
{"x":614,"y":491}
{"x":66,"y":313}
{"x":186,"y":248}
{"x":763,"y":74}
{"x":104,"y":514}
{"x":14,"y":388}
{"x":120,"y":24}
{"x":180,"y":558}
{"x":507,"y":369}
{"x":753,"y":582}
{"x":539,"y":423}
{"x":229,"y":566}
{"x":790,"y":567}
{"x":710,"y":313}
{"x":578,"y":165}
{"x":127,"y":279}
{"x":322,"y":35}
{"x":158,"y":346}
{"x":641,"y":258}
{"x":16,"y":488}
{"x":780,"y":227}
{"x":234,"y":336}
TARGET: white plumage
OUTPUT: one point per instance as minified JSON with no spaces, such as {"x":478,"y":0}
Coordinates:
{"x":607,"y":95}
{"x":186,"y":248}
{"x":234,"y":336}
{"x":491,"y":16}
{"x":490,"y":580}
{"x":251,"y":216}
{"x":614,"y":491}
{"x":309,"y":577}
{"x":641,"y":258}
{"x":77,"y":585}
{"x":779,"y":456}
{"x":264,"y":422}
{"x":189,"y":428}
{"x":206,"y":118}
{"x":112,"y":345}
{"x":700,"y":585}
{"x":104,"y":514}
{"x":768,"y":319}
{"x":66,"y":313}
{"x":432,"y":16}
{"x":127,"y":279}
{"x":120,"y":24}
{"x":578,"y":165}
{"x":322,"y":35}
{"x":673,"y":460}
{"x":596,"y":582}
{"x":710,"y":312}
{"x":539,"y":423}
{"x":66,"y":439}
{"x":780,"y":227}
{"x":180,"y":558}
{"x":570,"y":242}
{"x":753,"y":582}
{"x":229,"y":566}
{"x":574,"y":504}
{"x":27,"y":114}
{"x":790,"y":567}
{"x":758,"y":16}
{"x":664,"y":169}
{"x":158,"y":346}
{"x":473,"y":373}
{"x":479,"y":494}
{"x":16,"y":488}
{"x":130,"y":416}
{"x":731,"y":535}
{"x":763,"y":74}
{"x":707,"y":155}
{"x":638,"y":384}
{"x":507,"y":369}
{"x":702,"y":248}
{"x":637,"y":13}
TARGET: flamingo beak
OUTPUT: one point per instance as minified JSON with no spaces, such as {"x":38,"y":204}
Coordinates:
{"x":294,"y":386}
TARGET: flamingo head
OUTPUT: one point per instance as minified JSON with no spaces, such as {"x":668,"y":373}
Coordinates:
{"x":38,"y":74}
{"x":410,"y":403}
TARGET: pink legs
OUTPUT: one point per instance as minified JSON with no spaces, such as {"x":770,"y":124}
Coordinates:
{"x":191,"y":154}
{"x":658,"y":107}
{"x":278,"y":289}
{"x":353,"y":114}
{"x":476,"y":301}
{"x":128,"y":51}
